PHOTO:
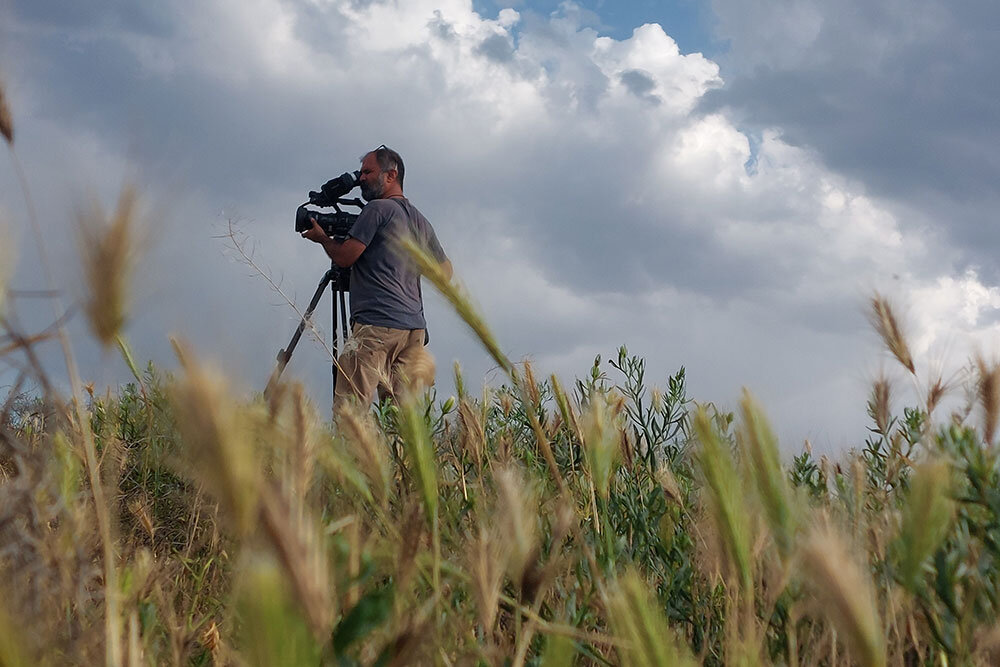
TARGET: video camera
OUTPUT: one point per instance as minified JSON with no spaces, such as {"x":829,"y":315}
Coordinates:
{"x":337,"y":224}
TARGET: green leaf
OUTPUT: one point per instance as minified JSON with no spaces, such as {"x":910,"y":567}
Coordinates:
{"x":370,"y":612}
{"x":559,"y":651}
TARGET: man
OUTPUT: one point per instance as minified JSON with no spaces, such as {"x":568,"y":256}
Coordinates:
{"x":386,"y":348}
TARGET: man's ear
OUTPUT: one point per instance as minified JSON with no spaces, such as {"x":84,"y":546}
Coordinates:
{"x":392,"y":175}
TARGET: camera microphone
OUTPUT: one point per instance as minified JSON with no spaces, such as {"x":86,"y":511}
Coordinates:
{"x":335,"y":188}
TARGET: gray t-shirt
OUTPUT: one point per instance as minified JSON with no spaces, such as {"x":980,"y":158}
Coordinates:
{"x":385,"y":284}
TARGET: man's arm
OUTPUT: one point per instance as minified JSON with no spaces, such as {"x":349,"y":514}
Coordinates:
{"x":343,"y":254}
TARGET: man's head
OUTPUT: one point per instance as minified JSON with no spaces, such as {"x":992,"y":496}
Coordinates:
{"x":381,"y":174}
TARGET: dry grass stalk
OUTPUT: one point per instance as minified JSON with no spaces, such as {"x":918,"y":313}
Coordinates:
{"x":431,"y":269}
{"x":668,"y":482}
{"x":303,"y":447}
{"x":211,"y":639}
{"x":473,"y":437}
{"x":6,"y":120}
{"x":367,"y":447}
{"x":937,"y":391}
{"x":517,"y":507}
{"x":215,"y":439}
{"x":988,"y":394}
{"x":488,"y":555}
{"x":844,"y":594}
{"x":112,"y":616}
{"x":108,"y":251}
{"x":139,"y":507}
{"x":566,"y":410}
{"x":409,"y":545}
{"x":531,"y":385}
{"x":300,"y":550}
{"x":879,"y":405}
{"x":885,"y":323}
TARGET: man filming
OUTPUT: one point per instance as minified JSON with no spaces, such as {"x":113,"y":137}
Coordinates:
{"x":385,"y":350}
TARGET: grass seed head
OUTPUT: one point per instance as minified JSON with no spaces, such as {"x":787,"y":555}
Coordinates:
{"x":602,"y":442}
{"x":459,"y":380}
{"x":529,"y":380}
{"x":879,"y":405}
{"x":843,"y":592}
{"x":108,"y":250}
{"x":518,"y":505}
{"x":473,"y":437}
{"x":212,"y":430}
{"x":668,"y":482}
{"x":488,"y":557}
{"x":887,"y":326}
{"x":988,"y":390}
{"x":6,"y":120}
{"x":935,"y":393}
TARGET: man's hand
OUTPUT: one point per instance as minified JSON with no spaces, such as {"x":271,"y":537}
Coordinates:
{"x":316,"y":234}
{"x":343,"y":254}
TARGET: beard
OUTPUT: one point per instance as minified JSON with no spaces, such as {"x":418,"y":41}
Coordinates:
{"x":372,"y":191}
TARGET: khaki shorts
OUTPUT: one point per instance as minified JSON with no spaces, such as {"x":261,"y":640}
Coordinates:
{"x":390,"y":360}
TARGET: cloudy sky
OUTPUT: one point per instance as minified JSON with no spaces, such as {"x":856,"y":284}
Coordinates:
{"x":718,"y":184}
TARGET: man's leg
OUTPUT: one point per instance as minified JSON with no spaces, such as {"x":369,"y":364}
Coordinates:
{"x":413,"y":367}
{"x":361,"y":364}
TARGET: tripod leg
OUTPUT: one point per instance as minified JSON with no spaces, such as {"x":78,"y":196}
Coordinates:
{"x":285,"y":354}
{"x":341,"y":298}
{"x":335,"y":288}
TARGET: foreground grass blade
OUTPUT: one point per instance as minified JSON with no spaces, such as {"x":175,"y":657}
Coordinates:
{"x":728,"y":501}
{"x":430,"y":268}
{"x":844,"y":594}
{"x":927,"y":515}
{"x":420,"y":451}
{"x":271,"y":628}
{"x":636,"y":618}
{"x":761,"y":449}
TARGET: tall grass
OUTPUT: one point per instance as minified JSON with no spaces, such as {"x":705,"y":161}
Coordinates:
{"x":171,"y":521}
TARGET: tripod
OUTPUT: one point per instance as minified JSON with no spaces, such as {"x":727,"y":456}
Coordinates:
{"x":337,"y":279}
{"x":337,"y":225}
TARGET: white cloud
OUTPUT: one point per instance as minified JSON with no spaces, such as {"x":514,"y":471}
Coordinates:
{"x":956,"y":312}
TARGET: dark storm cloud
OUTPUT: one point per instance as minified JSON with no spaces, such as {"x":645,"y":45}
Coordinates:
{"x":190,"y":128}
{"x":150,"y":18}
{"x":640,"y":84}
{"x":440,"y":27}
{"x":498,"y":48}
{"x":902,"y":96}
